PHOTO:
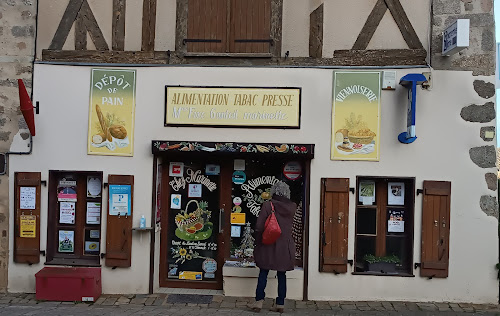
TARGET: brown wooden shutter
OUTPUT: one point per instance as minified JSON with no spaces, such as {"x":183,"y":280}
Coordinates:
{"x":119,"y":228}
{"x":27,"y":239}
{"x":334,"y":225}
{"x":207,"y":26}
{"x":435,"y":229}
{"x":250,"y":27}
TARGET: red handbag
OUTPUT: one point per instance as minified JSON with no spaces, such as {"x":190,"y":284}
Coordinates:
{"x":272,"y":229}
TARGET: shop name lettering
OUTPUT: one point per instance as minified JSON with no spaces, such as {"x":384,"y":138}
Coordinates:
{"x":195,"y":245}
{"x":252,"y":204}
{"x":118,"y":83}
{"x":265,"y":101}
{"x":192,"y":177}
{"x":356,"y":89}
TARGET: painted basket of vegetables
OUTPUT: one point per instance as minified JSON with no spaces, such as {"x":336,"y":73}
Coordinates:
{"x":194,"y":225}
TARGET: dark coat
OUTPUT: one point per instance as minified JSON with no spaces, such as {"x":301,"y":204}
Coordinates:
{"x":279,"y":256}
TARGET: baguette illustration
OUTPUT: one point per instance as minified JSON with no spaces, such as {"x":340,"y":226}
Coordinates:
{"x":102,"y":122}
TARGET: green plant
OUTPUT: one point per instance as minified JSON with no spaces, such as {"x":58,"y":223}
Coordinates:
{"x":374,"y":259}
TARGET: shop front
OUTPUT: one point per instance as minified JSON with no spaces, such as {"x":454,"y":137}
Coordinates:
{"x":165,"y":194}
{"x":210,"y":197}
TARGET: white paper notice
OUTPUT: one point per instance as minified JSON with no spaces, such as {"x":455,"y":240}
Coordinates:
{"x":27,"y":198}
{"x":93,"y":187}
{"x":194,"y":190}
{"x":396,"y":226}
{"x":93,"y":213}
{"x":67,"y":212}
{"x":367,"y":200}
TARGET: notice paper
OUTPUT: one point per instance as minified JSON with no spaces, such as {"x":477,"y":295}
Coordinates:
{"x":27,"y":198}
{"x":93,"y":213}
{"x":67,"y":212}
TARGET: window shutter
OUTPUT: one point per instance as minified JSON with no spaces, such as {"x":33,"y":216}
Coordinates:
{"x":207,"y":26}
{"x":250,"y":30}
{"x":334,"y":225}
{"x":119,"y":228}
{"x":27,"y":217}
{"x":435,"y":229}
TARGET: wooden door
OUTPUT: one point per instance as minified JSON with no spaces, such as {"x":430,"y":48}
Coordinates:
{"x":193,"y":217}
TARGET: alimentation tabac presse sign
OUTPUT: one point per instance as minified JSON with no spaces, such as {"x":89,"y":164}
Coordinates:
{"x":232,"y":106}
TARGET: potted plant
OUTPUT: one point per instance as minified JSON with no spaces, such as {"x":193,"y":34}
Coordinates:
{"x":385,"y":264}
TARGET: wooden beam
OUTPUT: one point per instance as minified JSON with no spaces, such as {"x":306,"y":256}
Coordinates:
{"x":404,"y":24}
{"x":380,"y":57}
{"x":316,"y":32}
{"x":67,"y":21}
{"x":92,"y":27}
{"x":371,"y":24}
{"x":80,"y":33}
{"x":148,"y":25}
{"x":118,"y":40}
{"x":105,"y":56}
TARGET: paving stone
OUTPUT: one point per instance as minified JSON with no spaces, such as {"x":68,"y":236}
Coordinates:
{"x":427,"y":306}
{"x":100,"y":300}
{"x":228,"y":304}
{"x":348,"y":307}
{"x":217,"y":298}
{"x":214,"y":305}
{"x":138,"y":300}
{"x":388,"y":306}
{"x":109,"y":301}
{"x":412,"y":306}
{"x":323,"y":305}
{"x":150,"y":301}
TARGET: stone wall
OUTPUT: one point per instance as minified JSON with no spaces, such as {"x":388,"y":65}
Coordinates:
{"x":479,"y":58}
{"x":17,"y":34}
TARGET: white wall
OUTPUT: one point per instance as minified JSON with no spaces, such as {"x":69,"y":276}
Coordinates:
{"x":439,"y":153}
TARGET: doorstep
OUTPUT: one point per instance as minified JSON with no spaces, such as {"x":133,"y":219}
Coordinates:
{"x":242,"y":282}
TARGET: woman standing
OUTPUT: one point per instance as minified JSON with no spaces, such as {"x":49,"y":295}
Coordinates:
{"x":279,"y":256}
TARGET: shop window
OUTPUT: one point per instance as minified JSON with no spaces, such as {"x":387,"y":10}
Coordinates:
{"x":384,"y":226}
{"x":250,"y":193}
{"x":74,"y":218}
{"x":230,"y":26}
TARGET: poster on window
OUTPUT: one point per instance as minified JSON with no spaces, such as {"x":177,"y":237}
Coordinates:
{"x":367,"y":192}
{"x":66,"y":191}
{"x":27,"y":198}
{"x":120,"y":199}
{"x":93,"y":213}
{"x":66,"y":241}
{"x":396,"y":223}
{"x":396,"y":193}
{"x":111,"y":112}
{"x":356,"y":116}
{"x":66,"y":212}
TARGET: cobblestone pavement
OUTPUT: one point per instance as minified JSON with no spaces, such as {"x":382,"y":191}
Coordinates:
{"x":158,"y":304}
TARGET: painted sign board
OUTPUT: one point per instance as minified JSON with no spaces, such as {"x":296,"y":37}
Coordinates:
{"x":232,"y":106}
{"x":456,"y":37}
{"x":112,"y":112}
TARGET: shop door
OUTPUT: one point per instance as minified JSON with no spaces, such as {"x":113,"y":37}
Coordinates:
{"x":192,"y":238}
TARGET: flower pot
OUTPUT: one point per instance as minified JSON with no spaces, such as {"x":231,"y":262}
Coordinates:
{"x":383,"y":267}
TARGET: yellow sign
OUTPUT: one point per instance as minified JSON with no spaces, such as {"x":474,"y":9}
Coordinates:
{"x":28,"y":226}
{"x":356,"y":116}
{"x":250,"y":107}
{"x":189,"y":275}
{"x":238,"y":218}
{"x":112,"y":112}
